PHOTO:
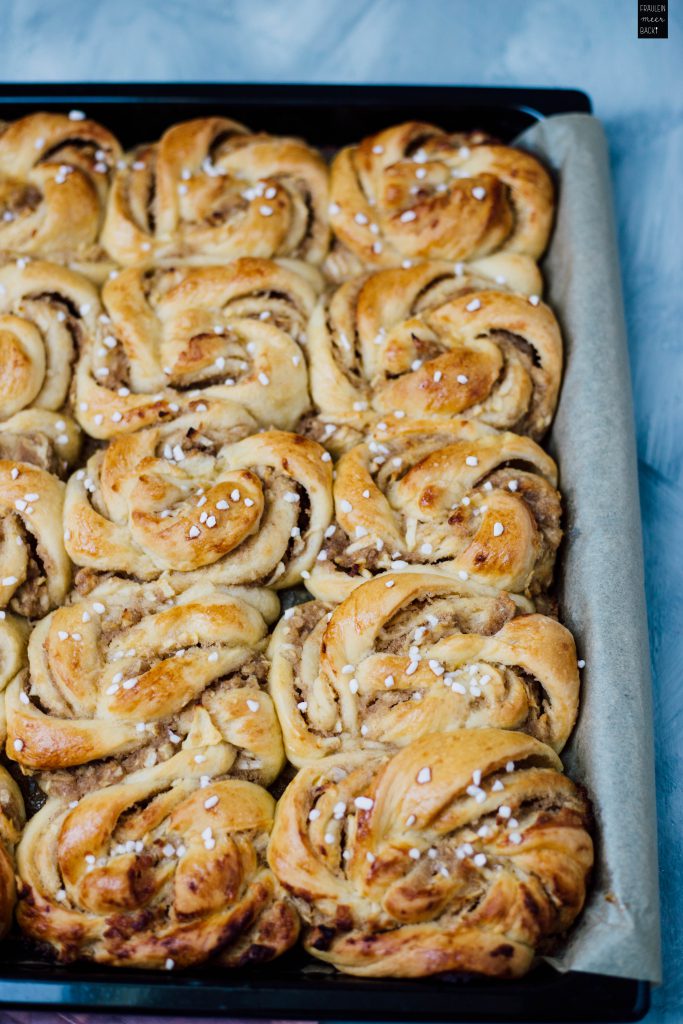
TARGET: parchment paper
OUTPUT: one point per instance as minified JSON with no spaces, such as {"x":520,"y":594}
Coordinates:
{"x":602,"y":595}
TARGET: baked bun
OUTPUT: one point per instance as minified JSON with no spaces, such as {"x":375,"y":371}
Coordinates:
{"x":36,"y":572}
{"x":428,"y":342}
{"x":462,"y":852}
{"x":178,"y":337}
{"x":190,"y":496}
{"x":131,"y":674}
{"x":55,"y":172}
{"x":11,"y":823}
{"x":412,"y":653}
{"x":212,"y":189}
{"x":478,"y":503}
{"x":46,"y":312}
{"x":166,"y":869}
{"x":415,"y":192}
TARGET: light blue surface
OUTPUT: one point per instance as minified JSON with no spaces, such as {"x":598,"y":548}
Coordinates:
{"x":637,"y":89}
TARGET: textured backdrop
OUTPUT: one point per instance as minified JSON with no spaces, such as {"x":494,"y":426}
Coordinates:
{"x":637,"y":89}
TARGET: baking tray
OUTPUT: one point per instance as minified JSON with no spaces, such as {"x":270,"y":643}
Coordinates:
{"x":295,"y":987}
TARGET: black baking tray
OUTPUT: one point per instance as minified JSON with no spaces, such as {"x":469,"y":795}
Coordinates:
{"x":296,"y":987}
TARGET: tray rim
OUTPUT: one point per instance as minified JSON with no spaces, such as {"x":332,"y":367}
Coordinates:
{"x":550,"y":100}
{"x":631,"y":997}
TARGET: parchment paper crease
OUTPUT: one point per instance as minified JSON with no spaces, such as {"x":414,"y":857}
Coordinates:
{"x":602,"y":594}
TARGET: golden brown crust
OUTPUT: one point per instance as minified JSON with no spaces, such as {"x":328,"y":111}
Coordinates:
{"x":135,"y":672}
{"x":461,"y":852}
{"x":191,"y":495}
{"x":407,"y":654}
{"x":474,"y":501}
{"x":413,"y":192}
{"x":54,"y":178}
{"x":428,"y":342}
{"x":166,"y":870}
{"x":36,"y":572}
{"x":210,"y":187}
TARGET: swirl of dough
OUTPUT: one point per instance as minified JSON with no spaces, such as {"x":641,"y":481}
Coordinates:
{"x":475,"y":501}
{"x":414,"y":192}
{"x":126,"y":677}
{"x":190,"y":495}
{"x":36,"y":572}
{"x":179,"y":337}
{"x":166,"y":869}
{"x":429,"y":342}
{"x":55,"y":173}
{"x":211,"y":188}
{"x":409,"y":654}
{"x":461,"y":852}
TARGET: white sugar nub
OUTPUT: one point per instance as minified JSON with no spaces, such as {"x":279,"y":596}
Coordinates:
{"x":363,"y":803}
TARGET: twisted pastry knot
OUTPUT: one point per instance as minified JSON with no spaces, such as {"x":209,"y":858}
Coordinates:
{"x":410,"y":654}
{"x":415,"y":192}
{"x":128,"y":676}
{"x":461,"y":852}
{"x":11,"y":823}
{"x":428,"y":342}
{"x":460,"y":495}
{"x":187,"y":496}
{"x":178,"y":336}
{"x":46,"y":312}
{"x":54,"y":179}
{"x":210,"y":187}
{"x":167,"y":869}
{"x":36,"y":572}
